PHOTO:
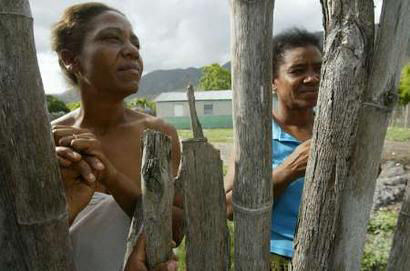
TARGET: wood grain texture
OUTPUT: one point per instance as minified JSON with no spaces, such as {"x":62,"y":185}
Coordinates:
{"x":399,"y":259}
{"x":134,"y":232}
{"x":251,"y":54}
{"x":207,"y":236}
{"x":157,"y":196}
{"x":33,"y":217}
{"x":196,"y":125}
{"x":358,"y":90}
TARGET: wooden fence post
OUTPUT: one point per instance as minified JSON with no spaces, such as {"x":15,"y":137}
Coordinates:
{"x":157,"y":197}
{"x":358,"y":91}
{"x":33,"y":216}
{"x":399,"y":259}
{"x":251,"y":54}
{"x":207,"y":236}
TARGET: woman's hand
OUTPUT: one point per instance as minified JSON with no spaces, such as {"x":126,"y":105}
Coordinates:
{"x":296,"y":162}
{"x":137,"y":259}
{"x":78,"y":181}
{"x":292,"y":168}
{"x":85,"y":143}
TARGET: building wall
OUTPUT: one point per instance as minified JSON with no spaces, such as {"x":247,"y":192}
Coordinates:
{"x":219,"y":108}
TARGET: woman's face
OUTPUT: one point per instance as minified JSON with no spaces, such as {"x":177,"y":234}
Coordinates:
{"x":110,"y":59}
{"x":297,"y":80}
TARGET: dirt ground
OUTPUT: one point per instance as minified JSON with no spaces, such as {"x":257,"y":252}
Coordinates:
{"x":392,"y":150}
{"x":397,"y":151}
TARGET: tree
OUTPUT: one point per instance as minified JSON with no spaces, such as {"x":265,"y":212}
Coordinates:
{"x":73,"y":105}
{"x":142,"y":103}
{"x":404,"y":87}
{"x":55,"y":105}
{"x":33,"y":216}
{"x":215,"y":77}
{"x":357,"y":94}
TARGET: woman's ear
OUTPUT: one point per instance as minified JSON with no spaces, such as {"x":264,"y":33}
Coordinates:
{"x":69,"y":60}
{"x":274,"y":85}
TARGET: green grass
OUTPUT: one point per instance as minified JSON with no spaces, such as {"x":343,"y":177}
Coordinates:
{"x":398,"y":134}
{"x":379,"y":240}
{"x":224,"y":135}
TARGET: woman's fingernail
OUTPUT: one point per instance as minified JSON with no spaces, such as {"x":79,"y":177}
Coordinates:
{"x":100,"y":165}
{"x":76,"y":155}
{"x":91,"y":177}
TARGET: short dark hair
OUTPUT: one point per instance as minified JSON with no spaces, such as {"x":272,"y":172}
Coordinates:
{"x":289,"y":39}
{"x":69,"y":32}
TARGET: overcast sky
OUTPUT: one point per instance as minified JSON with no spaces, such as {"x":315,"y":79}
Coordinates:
{"x":173,"y":33}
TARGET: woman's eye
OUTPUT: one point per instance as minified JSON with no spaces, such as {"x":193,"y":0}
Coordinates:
{"x":112,"y":38}
{"x":297,"y":71}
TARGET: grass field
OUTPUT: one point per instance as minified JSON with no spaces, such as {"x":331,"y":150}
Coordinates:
{"x":398,"y":134}
{"x":226,"y":135}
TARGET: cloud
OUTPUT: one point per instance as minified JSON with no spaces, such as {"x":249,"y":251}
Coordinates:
{"x":173,"y":33}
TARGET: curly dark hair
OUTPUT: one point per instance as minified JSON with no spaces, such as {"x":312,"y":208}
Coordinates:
{"x":70,"y":31}
{"x":289,"y":39}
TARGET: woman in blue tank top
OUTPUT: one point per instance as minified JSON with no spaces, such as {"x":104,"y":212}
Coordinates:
{"x":297,"y":61}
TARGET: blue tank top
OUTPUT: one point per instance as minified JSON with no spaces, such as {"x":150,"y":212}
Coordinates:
{"x":286,"y":207}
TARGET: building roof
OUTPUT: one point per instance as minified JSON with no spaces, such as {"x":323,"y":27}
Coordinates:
{"x":199,"y":96}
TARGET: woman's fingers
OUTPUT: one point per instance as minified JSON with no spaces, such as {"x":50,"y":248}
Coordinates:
{"x":66,"y":140}
{"x":89,"y":146}
{"x":60,"y":131}
{"x":66,"y":156}
{"x":85,"y":171}
{"x":94,"y":162}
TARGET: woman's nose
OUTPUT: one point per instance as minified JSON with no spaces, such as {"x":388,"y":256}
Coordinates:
{"x":312,"y":77}
{"x":131,"y":51}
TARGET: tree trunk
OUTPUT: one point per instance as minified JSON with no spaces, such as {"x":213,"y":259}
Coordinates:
{"x":207,"y":236}
{"x":399,"y":259}
{"x":157,"y":197}
{"x":251,"y":53}
{"x":33,"y":216}
{"x":356,"y":96}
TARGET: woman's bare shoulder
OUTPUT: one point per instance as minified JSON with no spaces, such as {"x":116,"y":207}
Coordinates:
{"x":67,"y":119}
{"x":146,"y":121}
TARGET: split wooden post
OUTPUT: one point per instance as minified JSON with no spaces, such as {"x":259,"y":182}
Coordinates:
{"x":358,"y":91}
{"x":157,"y":197}
{"x":207,"y":236}
{"x":251,"y":54}
{"x":33,"y":216}
{"x":196,"y":125}
{"x":399,"y":259}
{"x":134,"y":232}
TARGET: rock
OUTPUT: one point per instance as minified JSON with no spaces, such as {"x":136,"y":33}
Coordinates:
{"x":390,"y":185}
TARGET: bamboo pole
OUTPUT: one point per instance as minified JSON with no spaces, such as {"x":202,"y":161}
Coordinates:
{"x":251,"y":54}
{"x":33,"y":216}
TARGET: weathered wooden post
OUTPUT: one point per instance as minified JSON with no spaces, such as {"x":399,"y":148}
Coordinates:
{"x":207,"y":236}
{"x":399,"y":259}
{"x":357,"y":93}
{"x":33,"y":216}
{"x":134,"y":232}
{"x":157,"y":197}
{"x":251,"y":54}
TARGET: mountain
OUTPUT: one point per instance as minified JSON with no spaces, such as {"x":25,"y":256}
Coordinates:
{"x":154,"y":83}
